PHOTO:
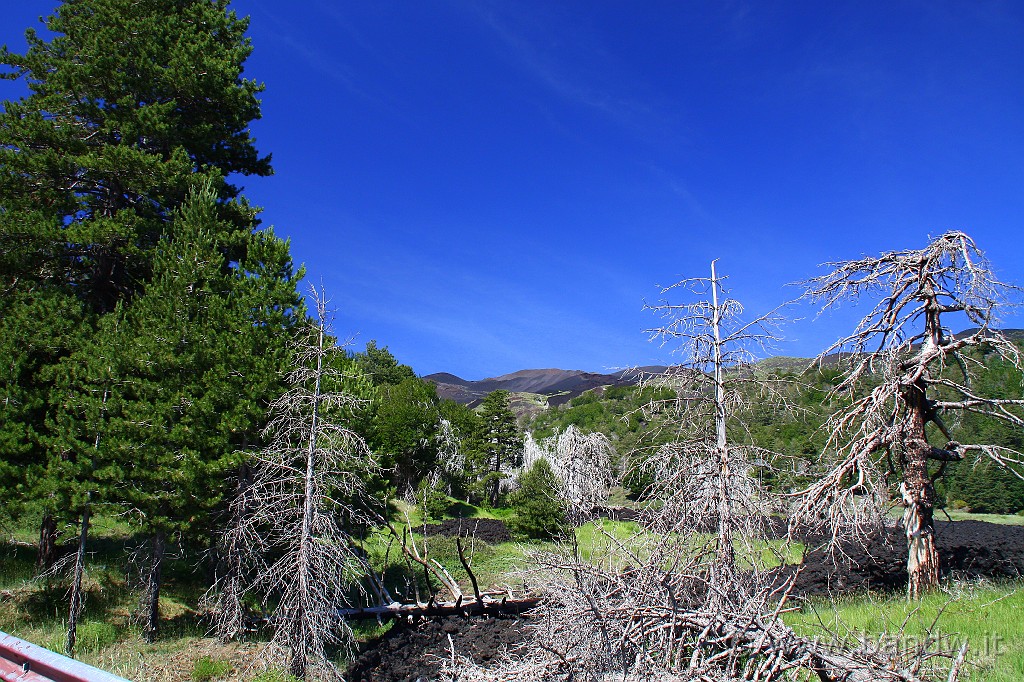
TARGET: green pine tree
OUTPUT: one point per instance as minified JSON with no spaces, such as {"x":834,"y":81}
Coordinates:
{"x":540,"y":511}
{"x":85,"y":457}
{"x":128,"y":100}
{"x":496,"y":446}
{"x":197,"y":376}
{"x":37,"y":330}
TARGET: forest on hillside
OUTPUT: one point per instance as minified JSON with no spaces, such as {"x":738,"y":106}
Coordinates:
{"x":615,"y":411}
{"x":161,"y":363}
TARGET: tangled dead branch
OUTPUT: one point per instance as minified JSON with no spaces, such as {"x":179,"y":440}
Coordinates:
{"x":691,"y":595}
{"x":622,"y":615}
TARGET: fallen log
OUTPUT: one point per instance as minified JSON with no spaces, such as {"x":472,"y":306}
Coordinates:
{"x":480,"y":604}
{"x":485,"y":606}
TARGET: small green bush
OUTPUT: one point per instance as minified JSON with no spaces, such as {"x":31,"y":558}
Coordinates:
{"x":444,"y":549}
{"x":206,"y":669}
{"x":540,"y":512}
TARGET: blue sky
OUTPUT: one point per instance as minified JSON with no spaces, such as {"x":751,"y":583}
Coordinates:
{"x":491,"y":186}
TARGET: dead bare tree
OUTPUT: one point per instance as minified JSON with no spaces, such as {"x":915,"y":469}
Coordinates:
{"x":451,"y":460}
{"x":644,"y":609}
{"x":306,"y":491}
{"x":905,"y":374}
{"x":582,"y":462}
{"x":705,"y":477}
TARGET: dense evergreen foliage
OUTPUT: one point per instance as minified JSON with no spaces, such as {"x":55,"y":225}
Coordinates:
{"x":130,"y":106}
{"x":540,"y":510}
{"x":144,"y":317}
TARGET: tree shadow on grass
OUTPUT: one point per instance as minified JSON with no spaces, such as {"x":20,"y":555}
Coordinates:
{"x":185,"y":624}
{"x":461,"y":510}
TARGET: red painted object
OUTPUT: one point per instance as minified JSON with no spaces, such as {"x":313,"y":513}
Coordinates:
{"x":22,"y":661}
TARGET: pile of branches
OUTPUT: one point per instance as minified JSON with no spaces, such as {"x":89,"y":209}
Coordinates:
{"x":649,"y":610}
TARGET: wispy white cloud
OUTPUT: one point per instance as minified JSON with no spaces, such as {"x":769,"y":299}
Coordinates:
{"x":582,"y":72}
{"x":293,"y":38}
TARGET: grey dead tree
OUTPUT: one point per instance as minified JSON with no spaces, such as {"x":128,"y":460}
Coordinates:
{"x":907,"y":377}
{"x":451,"y":460}
{"x":306,"y":493}
{"x":582,"y":462}
{"x":706,"y":474}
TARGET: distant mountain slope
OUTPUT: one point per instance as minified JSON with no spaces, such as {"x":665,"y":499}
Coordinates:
{"x":1015,"y":335}
{"x":561,"y":385}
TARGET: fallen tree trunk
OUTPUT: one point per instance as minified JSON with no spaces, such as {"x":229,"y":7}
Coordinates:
{"x":487,"y":605}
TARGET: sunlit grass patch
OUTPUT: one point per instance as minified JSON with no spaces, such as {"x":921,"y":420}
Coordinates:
{"x":990,"y":617}
{"x":959,"y":515}
{"x":206,"y":669}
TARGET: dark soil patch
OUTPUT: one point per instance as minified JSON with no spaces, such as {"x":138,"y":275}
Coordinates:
{"x":491,"y":531}
{"x":616,"y":513}
{"x":971,"y":548}
{"x":880,"y":565}
{"x":412,"y":652}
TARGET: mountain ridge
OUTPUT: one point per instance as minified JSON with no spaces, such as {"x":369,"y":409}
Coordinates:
{"x":558,"y":385}
{"x":561,"y":385}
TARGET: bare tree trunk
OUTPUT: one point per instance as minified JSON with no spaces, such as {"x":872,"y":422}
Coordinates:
{"x":297,"y":662}
{"x":299,"y":654}
{"x":47,"y":548}
{"x":918,"y":502}
{"x":496,"y":483}
{"x":918,"y":522}
{"x":726,"y":554}
{"x":152,"y":605}
{"x":76,"y":586}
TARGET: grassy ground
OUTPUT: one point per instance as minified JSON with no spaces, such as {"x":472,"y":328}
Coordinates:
{"x":991,"y":617}
{"x":956,"y":515}
{"x":949,"y":513}
{"x":108,"y":636}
